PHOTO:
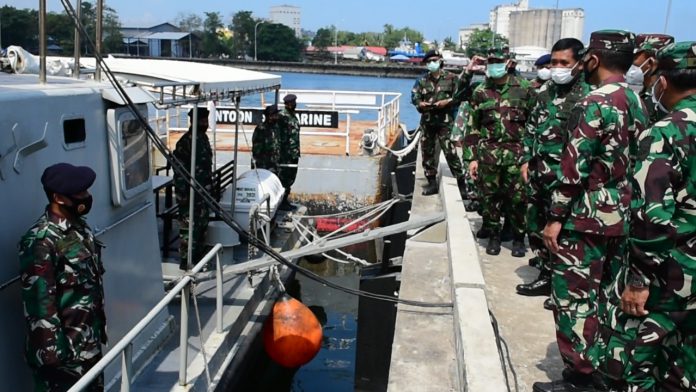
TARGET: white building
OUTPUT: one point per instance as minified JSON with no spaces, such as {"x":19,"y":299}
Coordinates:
{"x":287,"y":15}
{"x":465,"y":32}
{"x":500,"y":16}
{"x":573,"y":23}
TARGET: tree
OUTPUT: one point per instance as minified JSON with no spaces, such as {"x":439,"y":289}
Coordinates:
{"x":449,"y":44}
{"x":212,"y":44}
{"x":324,"y":38}
{"x":277,"y":42}
{"x":20,"y":27}
{"x":189,"y":22}
{"x":392,"y":37}
{"x":481,"y":41}
{"x":242,"y":27}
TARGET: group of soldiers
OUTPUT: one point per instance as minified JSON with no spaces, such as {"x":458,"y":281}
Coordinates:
{"x":276,"y":145}
{"x":592,"y":161}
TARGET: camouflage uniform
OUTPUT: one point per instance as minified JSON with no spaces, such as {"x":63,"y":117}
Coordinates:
{"x":494,"y":138}
{"x":265,"y":148}
{"x":592,"y":201}
{"x":658,"y":352}
{"x":543,"y":145}
{"x":459,"y":130}
{"x":61,"y":276}
{"x":436,"y":124}
{"x":204,"y":176}
{"x":289,"y":138}
{"x":651,"y":43}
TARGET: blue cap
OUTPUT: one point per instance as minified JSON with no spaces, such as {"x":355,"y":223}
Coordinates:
{"x":66,"y":179}
{"x":543,"y":60}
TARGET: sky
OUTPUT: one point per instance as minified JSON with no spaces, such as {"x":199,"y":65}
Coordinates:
{"x":435,"y":19}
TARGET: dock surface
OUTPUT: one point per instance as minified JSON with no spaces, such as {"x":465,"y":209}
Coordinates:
{"x":456,"y":349}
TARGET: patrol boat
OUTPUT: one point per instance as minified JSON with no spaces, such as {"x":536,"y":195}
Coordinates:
{"x":87,"y":121}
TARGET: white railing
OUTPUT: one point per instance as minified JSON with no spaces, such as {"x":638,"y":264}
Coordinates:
{"x":124,"y":347}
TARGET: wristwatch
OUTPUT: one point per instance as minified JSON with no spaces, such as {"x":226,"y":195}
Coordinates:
{"x":636,"y":282}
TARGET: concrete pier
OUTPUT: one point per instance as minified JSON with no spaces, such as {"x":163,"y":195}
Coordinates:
{"x":456,"y":349}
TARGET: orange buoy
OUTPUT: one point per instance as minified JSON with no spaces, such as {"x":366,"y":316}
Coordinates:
{"x":292,"y":334}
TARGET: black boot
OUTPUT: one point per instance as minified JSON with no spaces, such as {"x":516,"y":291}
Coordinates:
{"x":483,"y":233}
{"x":535,"y":262}
{"x":461,"y":184}
{"x":518,"y":247}
{"x":548,"y":304}
{"x":541,"y":286}
{"x":570,"y":382}
{"x":432,"y":187}
{"x":493,"y":247}
{"x":506,"y":233}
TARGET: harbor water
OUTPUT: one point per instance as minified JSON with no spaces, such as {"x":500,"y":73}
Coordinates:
{"x":355,"y":353}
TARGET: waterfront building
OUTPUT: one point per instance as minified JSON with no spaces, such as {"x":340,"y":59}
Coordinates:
{"x":287,"y":15}
{"x":465,"y":32}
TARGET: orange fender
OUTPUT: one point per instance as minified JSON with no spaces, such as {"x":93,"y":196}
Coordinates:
{"x":292,"y":334}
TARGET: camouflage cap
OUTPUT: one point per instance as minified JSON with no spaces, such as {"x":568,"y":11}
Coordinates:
{"x":430,"y":54}
{"x":498,"y":53}
{"x":614,"y":40}
{"x":679,"y":55}
{"x":652,"y":42}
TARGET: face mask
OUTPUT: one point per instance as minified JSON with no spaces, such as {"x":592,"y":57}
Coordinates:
{"x":80,"y":206}
{"x":635,"y":74}
{"x":544,"y":74}
{"x":433,"y":66}
{"x":496,"y":71}
{"x":656,"y":99}
{"x":562,"y":75}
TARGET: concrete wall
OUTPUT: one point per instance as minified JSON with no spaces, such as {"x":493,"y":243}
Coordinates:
{"x":540,"y":27}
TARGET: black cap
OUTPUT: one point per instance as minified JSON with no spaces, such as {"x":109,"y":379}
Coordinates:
{"x":290,"y":98}
{"x":202,"y":112}
{"x":270,"y":109}
{"x":66,"y":179}
{"x":431,"y":53}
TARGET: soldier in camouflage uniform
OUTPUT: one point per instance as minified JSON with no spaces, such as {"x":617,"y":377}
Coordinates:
{"x":653,"y":345}
{"x":643,"y":72}
{"x":590,"y":208}
{"x":435,"y":96}
{"x":499,"y":110}
{"x":543,"y":144}
{"x":264,"y":142}
{"x":543,"y":66}
{"x":289,"y":139}
{"x":459,"y":134}
{"x":204,"y":176}
{"x":61,"y":277}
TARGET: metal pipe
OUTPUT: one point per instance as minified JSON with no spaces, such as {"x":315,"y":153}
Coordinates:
{"x":125,"y":218}
{"x":192,"y":192}
{"x":98,"y":39}
{"x":42,"y":41}
{"x":669,"y":11}
{"x":183,"y":335}
{"x":218,"y":293}
{"x":236,"y":150}
{"x":127,"y":368}
{"x":78,"y":44}
{"x":9,"y":283}
{"x":119,"y":347}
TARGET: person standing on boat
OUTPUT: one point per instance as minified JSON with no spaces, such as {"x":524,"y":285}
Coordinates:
{"x":643,"y":72}
{"x":289,"y":139}
{"x":265,"y":150}
{"x":204,"y":176}
{"x":543,"y":144}
{"x":588,"y":219}
{"x":436,"y":96}
{"x":499,"y":111}
{"x":61,"y":277}
{"x":653,"y":344}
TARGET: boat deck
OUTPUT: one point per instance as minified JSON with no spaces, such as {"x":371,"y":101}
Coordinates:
{"x":455,"y":349}
{"x":309,"y":144}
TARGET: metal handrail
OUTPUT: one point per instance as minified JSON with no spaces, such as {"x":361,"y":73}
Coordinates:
{"x":124,"y":347}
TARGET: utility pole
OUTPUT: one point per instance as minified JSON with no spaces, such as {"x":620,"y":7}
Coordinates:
{"x":256,"y":26}
{"x":669,"y":11}
{"x":335,"y":45}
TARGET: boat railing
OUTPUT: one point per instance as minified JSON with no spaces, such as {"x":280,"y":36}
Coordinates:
{"x":124,"y":347}
{"x":382,"y":109}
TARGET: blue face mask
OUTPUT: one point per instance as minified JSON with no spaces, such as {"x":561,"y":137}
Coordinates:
{"x":496,"y":71}
{"x":433,"y":66}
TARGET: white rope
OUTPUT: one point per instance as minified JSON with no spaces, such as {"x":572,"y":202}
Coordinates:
{"x":275,"y":276}
{"x":200,"y":329}
{"x":346,"y":213}
{"x":305,"y":229}
{"x":340,"y":229}
{"x":406,"y":150}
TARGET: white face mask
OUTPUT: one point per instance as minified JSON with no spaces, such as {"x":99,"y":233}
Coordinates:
{"x":562,"y":75}
{"x":635,"y":74}
{"x":656,"y":100}
{"x":544,"y":74}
